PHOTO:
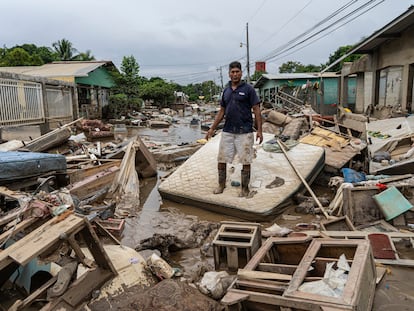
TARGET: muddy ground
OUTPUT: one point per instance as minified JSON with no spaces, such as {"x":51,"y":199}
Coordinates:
{"x":395,"y":292}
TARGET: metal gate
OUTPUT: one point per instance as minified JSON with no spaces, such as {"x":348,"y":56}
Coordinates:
{"x":59,"y":104}
{"x":21,"y":103}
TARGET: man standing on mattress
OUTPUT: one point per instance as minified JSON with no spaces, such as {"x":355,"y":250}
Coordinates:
{"x":237,"y":138}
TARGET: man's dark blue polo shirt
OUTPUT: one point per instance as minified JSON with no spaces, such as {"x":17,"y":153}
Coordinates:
{"x":238,"y":105}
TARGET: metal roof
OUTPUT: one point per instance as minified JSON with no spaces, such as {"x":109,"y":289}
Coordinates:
{"x":60,"y":69}
{"x":293,"y":76}
{"x":390,"y":31}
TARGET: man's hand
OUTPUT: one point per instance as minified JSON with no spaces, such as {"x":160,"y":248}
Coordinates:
{"x":209,"y":134}
{"x":259,"y":137}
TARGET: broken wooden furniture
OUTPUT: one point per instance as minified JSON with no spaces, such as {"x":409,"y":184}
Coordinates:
{"x":271,"y":279}
{"x":145,"y":163}
{"x":94,"y":180}
{"x":260,"y":285}
{"x":359,"y":290}
{"x":338,"y":148}
{"x":360,"y":207}
{"x":235,"y":243}
{"x":339,"y":224}
{"x":46,"y":239}
{"x":399,"y":244}
{"x":392,"y":203}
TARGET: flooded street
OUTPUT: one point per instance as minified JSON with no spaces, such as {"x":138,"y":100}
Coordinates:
{"x":143,"y":226}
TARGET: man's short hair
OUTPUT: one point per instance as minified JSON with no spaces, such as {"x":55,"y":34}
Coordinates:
{"x":235,"y":64}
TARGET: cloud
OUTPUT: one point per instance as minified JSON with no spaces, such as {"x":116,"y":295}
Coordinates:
{"x":186,"y":41}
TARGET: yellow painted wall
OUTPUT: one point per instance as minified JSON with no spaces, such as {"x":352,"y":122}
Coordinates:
{"x":67,"y":79}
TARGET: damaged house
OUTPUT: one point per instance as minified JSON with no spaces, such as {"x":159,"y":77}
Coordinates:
{"x":29,"y":100}
{"x":321,"y":91}
{"x":384,"y":75}
{"x":92,"y":80}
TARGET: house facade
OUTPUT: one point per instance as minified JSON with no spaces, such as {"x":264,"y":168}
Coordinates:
{"x":385,"y":73}
{"x":92,"y":79}
{"x":29,"y":100}
{"x":321,"y":91}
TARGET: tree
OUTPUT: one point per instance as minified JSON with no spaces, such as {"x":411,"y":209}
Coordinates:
{"x":85,"y":56}
{"x":64,"y":50}
{"x":125,"y":95}
{"x":16,"y":57}
{"x":257,"y":75}
{"x":341,"y":51}
{"x":25,"y":55}
{"x":158,"y":90}
{"x":296,"y":67}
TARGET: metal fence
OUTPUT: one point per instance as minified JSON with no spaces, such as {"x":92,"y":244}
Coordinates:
{"x":21,"y":103}
{"x":59,"y":104}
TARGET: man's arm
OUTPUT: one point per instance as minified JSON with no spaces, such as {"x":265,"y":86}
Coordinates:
{"x":258,"y":118}
{"x":219,"y":117}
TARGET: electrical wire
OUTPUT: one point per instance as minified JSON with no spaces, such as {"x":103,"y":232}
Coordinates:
{"x":284,"y":25}
{"x":287,"y":48}
{"x":314,"y":27}
{"x":300,"y":48}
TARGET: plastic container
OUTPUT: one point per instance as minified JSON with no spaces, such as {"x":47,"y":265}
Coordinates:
{"x":120,"y":132}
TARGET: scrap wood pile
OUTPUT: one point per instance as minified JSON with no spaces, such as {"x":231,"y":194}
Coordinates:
{"x":54,"y":201}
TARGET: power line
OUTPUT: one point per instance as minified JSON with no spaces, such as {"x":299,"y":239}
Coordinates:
{"x":320,"y":23}
{"x":257,"y":10}
{"x":285,"y":48}
{"x":285,"y":24}
{"x":300,"y":48}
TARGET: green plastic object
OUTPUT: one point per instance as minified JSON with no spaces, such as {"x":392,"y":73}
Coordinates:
{"x":392,"y":203}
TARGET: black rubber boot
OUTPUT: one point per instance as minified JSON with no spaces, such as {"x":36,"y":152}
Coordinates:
{"x":245,"y":180}
{"x":222,"y":181}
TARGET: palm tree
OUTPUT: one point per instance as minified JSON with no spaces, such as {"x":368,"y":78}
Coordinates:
{"x":85,"y":56}
{"x":64,"y":50}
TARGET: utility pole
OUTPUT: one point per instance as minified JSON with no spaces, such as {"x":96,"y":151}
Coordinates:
{"x":248,"y":56}
{"x":221,"y":76}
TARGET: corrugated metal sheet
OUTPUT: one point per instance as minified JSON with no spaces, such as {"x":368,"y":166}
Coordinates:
{"x":58,"y":69}
{"x":389,"y":32}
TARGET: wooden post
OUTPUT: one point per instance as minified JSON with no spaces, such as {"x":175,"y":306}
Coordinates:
{"x":281,"y":145}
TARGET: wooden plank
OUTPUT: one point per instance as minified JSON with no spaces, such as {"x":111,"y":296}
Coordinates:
{"x":397,"y":262}
{"x":276,"y":300}
{"x":276,"y":286}
{"x":380,"y":274}
{"x":79,"y":291}
{"x":232,"y":243}
{"x":96,"y":248}
{"x":232,"y":258}
{"x":76,"y":175}
{"x":83,"y":287}
{"x":37,"y":241}
{"x":358,"y":234}
{"x":249,"y":274}
{"x":234,"y":234}
{"x":19,"y":227}
{"x":49,"y":140}
{"x":93,"y":183}
{"x":277,"y":268}
{"x":232,"y":298}
{"x":28,"y":300}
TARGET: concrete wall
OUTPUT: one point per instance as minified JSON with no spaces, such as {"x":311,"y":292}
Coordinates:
{"x":384,"y":62}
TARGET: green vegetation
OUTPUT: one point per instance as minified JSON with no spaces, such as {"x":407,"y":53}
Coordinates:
{"x":131,"y":89}
{"x":296,"y":67}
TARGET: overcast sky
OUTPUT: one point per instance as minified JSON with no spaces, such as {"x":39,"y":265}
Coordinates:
{"x":188,"y":40}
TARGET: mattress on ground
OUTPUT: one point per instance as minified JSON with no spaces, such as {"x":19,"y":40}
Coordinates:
{"x":17,"y":165}
{"x":195,"y":180}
